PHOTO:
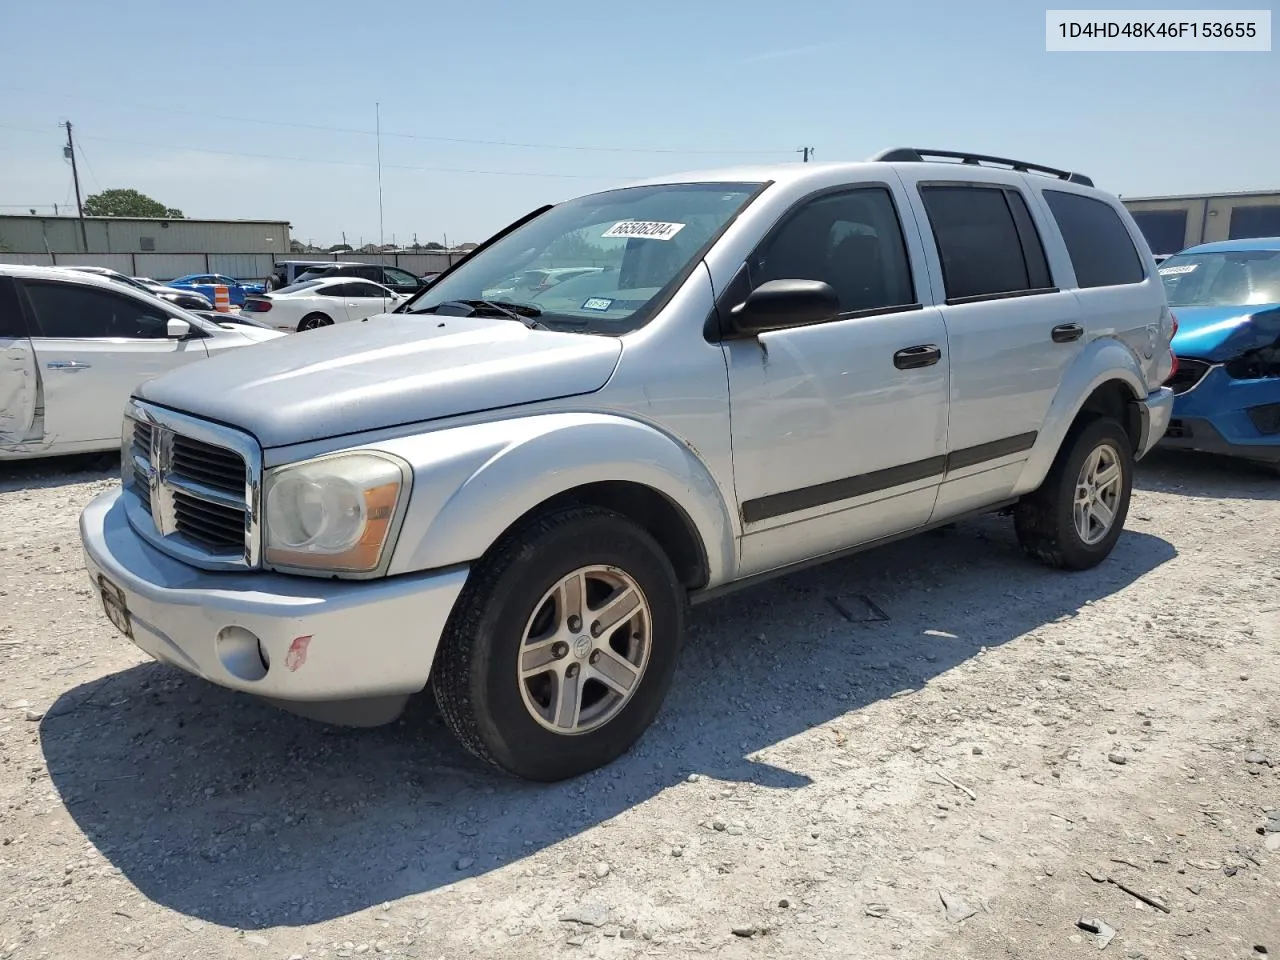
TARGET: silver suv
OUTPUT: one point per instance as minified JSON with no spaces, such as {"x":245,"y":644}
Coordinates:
{"x":514,"y":501}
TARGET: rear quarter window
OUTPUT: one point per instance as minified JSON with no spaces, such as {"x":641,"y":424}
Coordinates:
{"x":1100,"y":247}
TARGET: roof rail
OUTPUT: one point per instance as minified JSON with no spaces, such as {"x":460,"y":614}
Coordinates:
{"x":916,"y":155}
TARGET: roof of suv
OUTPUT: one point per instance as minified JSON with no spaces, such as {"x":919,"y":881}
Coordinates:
{"x":797,"y":172}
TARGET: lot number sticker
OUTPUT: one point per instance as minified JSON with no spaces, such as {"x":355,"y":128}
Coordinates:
{"x":1174,"y":271}
{"x":649,"y":229}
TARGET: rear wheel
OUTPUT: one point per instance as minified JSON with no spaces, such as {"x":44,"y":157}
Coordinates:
{"x":314,"y":320}
{"x":562,"y":645}
{"x":1074,"y":520}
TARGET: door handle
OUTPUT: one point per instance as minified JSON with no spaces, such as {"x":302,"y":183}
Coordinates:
{"x":910,"y":358}
{"x":1067,"y":332}
{"x":66,"y":365}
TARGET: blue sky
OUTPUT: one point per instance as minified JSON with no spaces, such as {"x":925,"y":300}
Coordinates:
{"x":260,"y":110}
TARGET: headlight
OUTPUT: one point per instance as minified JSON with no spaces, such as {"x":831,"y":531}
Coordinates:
{"x":336,"y":513}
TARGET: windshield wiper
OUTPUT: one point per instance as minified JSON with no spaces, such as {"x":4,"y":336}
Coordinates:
{"x":513,"y":310}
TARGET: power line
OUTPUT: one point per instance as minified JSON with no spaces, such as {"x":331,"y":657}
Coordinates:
{"x":409,"y":136}
{"x":328,"y":160}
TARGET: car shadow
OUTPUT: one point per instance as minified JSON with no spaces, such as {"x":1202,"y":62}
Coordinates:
{"x":49,"y":472}
{"x":1206,"y":476}
{"x":225,"y":809}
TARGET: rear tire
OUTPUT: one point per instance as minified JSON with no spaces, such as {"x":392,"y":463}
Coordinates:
{"x":1074,"y":520}
{"x":530,"y":686}
{"x":313,"y":321}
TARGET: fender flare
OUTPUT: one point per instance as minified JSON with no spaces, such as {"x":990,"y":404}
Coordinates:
{"x":471,"y":483}
{"x":1103,"y":360}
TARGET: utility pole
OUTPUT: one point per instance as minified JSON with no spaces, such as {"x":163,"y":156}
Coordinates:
{"x":806,"y":151}
{"x":382,"y":256}
{"x":70,"y":151}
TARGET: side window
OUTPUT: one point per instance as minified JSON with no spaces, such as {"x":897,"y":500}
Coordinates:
{"x":852,"y":240}
{"x":72,"y":311}
{"x":1101,"y":249}
{"x":986,"y":240}
{"x":13,"y":325}
{"x":336,"y":290}
{"x":359,"y":289}
{"x":367,"y":273}
{"x":394,"y":275}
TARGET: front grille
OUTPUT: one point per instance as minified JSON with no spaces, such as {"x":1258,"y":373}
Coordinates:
{"x":1188,"y":375}
{"x":196,"y":487}
{"x":218,"y":528}
{"x":207,"y":464}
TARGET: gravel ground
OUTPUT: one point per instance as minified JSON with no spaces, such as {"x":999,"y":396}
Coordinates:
{"x":967,"y":765}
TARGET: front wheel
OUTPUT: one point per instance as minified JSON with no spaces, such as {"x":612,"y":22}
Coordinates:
{"x":562,"y":646}
{"x":1074,"y":520}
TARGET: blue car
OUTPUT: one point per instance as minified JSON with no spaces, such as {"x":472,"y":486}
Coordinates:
{"x":1226,"y":298}
{"x":205,"y":282}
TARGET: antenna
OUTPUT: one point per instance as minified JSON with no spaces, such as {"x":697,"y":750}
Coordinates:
{"x":377,"y":107}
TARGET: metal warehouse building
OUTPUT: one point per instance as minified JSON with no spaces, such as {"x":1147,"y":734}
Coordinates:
{"x":162,"y":249}
{"x":1174,"y":223}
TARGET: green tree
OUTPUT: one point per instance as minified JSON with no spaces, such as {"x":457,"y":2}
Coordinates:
{"x":127,"y":202}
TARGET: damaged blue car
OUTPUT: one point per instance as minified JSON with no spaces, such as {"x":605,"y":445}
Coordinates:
{"x":1226,"y":298}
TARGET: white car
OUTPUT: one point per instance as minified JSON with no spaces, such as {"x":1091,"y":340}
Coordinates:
{"x":321,"y":303}
{"x":74,"y":346}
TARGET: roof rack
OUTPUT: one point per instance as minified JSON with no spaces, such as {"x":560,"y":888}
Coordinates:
{"x":915,"y":155}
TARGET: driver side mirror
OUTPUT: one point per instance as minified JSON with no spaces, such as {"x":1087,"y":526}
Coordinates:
{"x":176,"y":328}
{"x":778,"y":304}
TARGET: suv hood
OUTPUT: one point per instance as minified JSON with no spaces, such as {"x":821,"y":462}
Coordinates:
{"x":1222,"y":333}
{"x":389,"y":370}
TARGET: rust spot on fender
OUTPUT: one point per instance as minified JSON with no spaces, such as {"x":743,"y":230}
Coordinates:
{"x":297,"y":654}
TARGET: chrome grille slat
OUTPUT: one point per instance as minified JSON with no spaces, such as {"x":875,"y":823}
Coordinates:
{"x":195,"y":487}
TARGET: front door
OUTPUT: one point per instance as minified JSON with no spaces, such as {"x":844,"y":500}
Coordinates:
{"x":94,"y":346}
{"x":19,"y":375}
{"x":365,"y":300}
{"x":839,"y":429}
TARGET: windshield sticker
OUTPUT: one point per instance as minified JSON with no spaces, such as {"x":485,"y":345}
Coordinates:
{"x":1174,"y":271}
{"x":596,"y":303}
{"x":649,"y":229}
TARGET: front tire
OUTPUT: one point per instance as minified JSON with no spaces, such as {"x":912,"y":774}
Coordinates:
{"x":562,"y":646}
{"x":1074,"y":520}
{"x":314,"y":321}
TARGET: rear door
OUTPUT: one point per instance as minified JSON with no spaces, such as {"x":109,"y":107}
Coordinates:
{"x":365,"y":300}
{"x":94,"y":346}
{"x":19,"y":374}
{"x":1011,"y":330}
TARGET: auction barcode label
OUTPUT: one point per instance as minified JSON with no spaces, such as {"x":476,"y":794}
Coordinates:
{"x":1119,"y":31}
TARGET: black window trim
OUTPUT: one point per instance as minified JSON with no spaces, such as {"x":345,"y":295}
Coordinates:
{"x":1142,"y":264}
{"x":33,"y":315}
{"x":1023,"y":240}
{"x":717,"y":328}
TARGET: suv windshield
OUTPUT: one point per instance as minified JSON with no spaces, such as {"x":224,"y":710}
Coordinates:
{"x":600,"y":263}
{"x":1228,"y":279}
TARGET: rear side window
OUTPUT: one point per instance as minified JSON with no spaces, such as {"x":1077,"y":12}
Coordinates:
{"x":987,"y":242}
{"x":1100,"y":247}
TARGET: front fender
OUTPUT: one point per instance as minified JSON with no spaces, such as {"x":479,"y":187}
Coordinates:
{"x":1102,"y":360}
{"x":472,"y":482}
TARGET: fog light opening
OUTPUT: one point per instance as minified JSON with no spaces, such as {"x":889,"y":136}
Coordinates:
{"x":242,"y":654}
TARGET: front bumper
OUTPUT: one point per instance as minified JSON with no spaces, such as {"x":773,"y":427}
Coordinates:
{"x":1155,"y":410}
{"x":1223,"y":415}
{"x":284,"y":638}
